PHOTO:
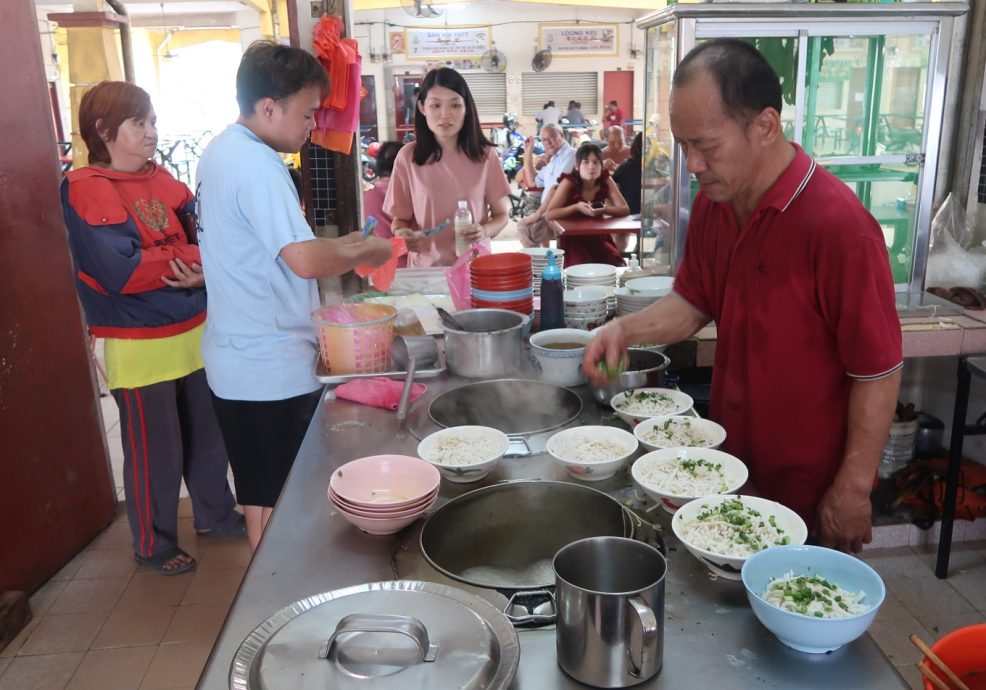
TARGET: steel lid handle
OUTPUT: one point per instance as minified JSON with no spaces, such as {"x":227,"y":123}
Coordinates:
{"x":383,"y":623}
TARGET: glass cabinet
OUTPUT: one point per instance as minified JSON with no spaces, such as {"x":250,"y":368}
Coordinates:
{"x":863,"y":89}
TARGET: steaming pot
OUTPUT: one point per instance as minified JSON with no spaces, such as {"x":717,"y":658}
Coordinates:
{"x":491,"y":346}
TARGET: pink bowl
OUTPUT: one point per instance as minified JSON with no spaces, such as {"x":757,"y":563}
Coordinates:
{"x":381,"y":525}
{"x":379,"y":510}
{"x":393,"y":515}
{"x":396,"y":481}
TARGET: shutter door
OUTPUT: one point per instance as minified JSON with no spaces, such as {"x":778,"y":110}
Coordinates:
{"x":560,"y":87}
{"x":490,"y":93}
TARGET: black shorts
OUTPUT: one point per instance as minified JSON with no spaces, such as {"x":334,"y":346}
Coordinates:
{"x":262,"y":439}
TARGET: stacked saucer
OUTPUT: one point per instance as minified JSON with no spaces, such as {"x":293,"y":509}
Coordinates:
{"x":539,"y":258}
{"x":602,"y":275}
{"x":503,"y":281}
{"x":640,"y":293}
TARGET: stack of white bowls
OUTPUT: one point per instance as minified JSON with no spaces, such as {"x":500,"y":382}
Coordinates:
{"x":383,"y":494}
{"x":602,"y":275}
{"x":640,"y":293}
{"x":586,"y":307}
{"x":539,"y":259}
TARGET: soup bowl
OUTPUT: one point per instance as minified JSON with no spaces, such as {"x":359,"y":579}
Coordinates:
{"x":557,"y":355}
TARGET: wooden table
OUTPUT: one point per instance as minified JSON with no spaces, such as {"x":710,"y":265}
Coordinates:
{"x":605,"y":225}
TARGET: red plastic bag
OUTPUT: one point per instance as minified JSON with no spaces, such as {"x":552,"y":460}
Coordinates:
{"x":459,"y":278}
{"x":383,"y":276}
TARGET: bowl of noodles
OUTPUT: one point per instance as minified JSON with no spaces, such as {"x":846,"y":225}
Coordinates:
{"x":679,"y":432}
{"x":722,"y":531}
{"x":675,"y":476}
{"x":813,"y":599}
{"x":464,"y":454}
{"x":636,"y":405}
{"x":592,"y":453}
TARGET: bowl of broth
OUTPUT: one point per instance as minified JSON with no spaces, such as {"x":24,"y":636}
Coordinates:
{"x":557,"y":355}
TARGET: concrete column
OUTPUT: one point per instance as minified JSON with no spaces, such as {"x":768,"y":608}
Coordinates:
{"x":93,"y":56}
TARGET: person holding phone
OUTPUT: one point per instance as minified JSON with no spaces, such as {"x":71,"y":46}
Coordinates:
{"x":590,"y":191}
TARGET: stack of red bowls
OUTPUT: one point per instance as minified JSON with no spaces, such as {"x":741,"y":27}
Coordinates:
{"x":503,"y":281}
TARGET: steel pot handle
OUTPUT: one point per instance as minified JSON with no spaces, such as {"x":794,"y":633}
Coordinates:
{"x":648,"y":627}
{"x":383,"y":623}
{"x":520,"y":440}
{"x":528,"y":600}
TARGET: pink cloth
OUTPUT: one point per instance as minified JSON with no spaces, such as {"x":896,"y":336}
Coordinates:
{"x":373,"y":206}
{"x":378,"y":392}
{"x":425,"y":195}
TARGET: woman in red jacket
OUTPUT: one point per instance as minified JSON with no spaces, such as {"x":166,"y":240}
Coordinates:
{"x":131,"y":232}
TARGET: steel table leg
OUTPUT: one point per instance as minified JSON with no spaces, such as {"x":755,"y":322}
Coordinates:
{"x":954,"y":460}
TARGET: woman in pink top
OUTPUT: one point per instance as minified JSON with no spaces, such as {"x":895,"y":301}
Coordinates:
{"x":373,"y":198}
{"x":450,"y":159}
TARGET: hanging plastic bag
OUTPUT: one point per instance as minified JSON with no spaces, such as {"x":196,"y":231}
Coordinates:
{"x":459,"y":278}
{"x":949,"y":264}
{"x":382,"y":277}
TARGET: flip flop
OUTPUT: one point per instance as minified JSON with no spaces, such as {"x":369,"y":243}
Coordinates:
{"x":159,"y":561}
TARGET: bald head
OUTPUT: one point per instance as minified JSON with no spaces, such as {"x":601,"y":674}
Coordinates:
{"x":746,"y":82}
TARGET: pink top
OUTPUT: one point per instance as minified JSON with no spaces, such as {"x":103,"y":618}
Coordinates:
{"x":426,"y":195}
{"x":373,"y":206}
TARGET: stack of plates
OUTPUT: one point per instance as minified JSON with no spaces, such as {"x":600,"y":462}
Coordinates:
{"x":539,"y":258}
{"x":628,"y":302}
{"x":585,"y":307}
{"x":602,"y":275}
{"x":640,"y":293}
{"x":503,"y":281}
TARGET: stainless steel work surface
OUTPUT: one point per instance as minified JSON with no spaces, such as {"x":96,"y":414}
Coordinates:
{"x":711,"y":635}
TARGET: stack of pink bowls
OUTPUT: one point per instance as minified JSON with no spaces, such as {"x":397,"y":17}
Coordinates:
{"x":383,"y":494}
{"x":503,"y":281}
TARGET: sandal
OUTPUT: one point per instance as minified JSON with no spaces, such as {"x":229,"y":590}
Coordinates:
{"x":159,"y":562}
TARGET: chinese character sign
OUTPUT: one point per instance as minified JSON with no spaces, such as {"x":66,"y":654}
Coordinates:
{"x":579,"y":39}
{"x":426,"y":44}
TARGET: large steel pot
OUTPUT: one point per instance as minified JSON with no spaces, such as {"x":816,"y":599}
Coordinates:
{"x":490,"y":347}
{"x":645,"y":369}
{"x":505,"y":536}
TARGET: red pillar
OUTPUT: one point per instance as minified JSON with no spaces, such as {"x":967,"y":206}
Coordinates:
{"x":56,"y":489}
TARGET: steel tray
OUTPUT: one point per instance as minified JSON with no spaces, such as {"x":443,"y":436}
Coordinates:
{"x":325,"y":377}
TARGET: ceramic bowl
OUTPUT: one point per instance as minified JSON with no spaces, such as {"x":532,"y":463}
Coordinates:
{"x":632,"y":405}
{"x":386,"y":525}
{"x":734,"y":474}
{"x":562,"y":367}
{"x":393,"y":480}
{"x":677,"y":431}
{"x":591,"y":470}
{"x":807,"y":633}
{"x":416,"y":509}
{"x":651,"y":286}
{"x":725,"y":565}
{"x":464,"y":472}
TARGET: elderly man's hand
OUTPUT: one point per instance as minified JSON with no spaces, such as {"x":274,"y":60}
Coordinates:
{"x":604,"y":354}
{"x":844,"y":519}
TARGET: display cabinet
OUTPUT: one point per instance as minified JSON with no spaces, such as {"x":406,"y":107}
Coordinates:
{"x":864,"y":92}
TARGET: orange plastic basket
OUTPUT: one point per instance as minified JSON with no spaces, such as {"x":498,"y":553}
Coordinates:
{"x":355,"y":338}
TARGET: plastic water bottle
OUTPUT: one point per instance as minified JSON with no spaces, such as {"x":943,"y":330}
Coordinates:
{"x":552,"y":304}
{"x":463,"y":221}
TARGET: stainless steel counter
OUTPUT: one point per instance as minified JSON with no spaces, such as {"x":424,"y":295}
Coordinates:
{"x":711,"y":635}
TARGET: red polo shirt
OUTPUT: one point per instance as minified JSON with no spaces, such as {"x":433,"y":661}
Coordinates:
{"x":804,"y":302}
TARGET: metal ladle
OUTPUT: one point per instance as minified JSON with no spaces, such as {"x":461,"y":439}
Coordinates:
{"x":410,"y":352}
{"x":450,"y":321}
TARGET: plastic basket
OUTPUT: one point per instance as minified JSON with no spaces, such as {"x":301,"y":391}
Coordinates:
{"x":355,"y":338}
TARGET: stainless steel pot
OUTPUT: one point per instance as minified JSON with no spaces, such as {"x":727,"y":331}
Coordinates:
{"x":491,"y":347}
{"x":505,"y":536}
{"x":645,"y":369}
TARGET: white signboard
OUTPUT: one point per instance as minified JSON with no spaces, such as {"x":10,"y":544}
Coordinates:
{"x":428,"y":44}
{"x":579,"y":39}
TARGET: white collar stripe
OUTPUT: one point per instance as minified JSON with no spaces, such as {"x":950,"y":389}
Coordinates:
{"x":801,"y":187}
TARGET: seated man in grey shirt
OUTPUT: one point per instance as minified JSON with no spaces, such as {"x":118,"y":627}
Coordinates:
{"x":533,"y":230}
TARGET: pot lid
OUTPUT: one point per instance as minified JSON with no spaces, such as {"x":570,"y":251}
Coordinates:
{"x":514,"y":406}
{"x":395,"y":634}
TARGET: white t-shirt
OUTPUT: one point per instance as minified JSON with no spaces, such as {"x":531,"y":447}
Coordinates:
{"x":550,"y":116}
{"x":259,"y":342}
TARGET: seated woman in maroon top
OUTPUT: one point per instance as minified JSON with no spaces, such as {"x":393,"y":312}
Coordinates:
{"x":588,"y":190}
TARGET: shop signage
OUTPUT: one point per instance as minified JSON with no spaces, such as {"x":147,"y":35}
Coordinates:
{"x":449,"y":42}
{"x":579,"y":39}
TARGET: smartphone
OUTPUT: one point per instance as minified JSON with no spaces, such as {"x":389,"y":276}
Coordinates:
{"x":598,"y":204}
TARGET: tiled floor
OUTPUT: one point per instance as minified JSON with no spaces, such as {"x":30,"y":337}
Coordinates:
{"x":105,"y":623}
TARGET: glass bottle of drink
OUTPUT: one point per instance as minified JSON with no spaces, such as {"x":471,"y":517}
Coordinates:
{"x":463,"y":221}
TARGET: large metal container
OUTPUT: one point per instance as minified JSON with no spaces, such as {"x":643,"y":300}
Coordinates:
{"x":490,"y":347}
{"x":645,"y":369}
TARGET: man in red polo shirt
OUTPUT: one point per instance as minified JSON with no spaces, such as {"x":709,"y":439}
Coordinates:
{"x":795,"y":274}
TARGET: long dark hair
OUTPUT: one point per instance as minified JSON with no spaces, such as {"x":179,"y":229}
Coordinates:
{"x":584,"y":151}
{"x":472,"y":141}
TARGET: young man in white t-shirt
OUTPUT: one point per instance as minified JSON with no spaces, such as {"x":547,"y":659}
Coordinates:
{"x":261,"y":260}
